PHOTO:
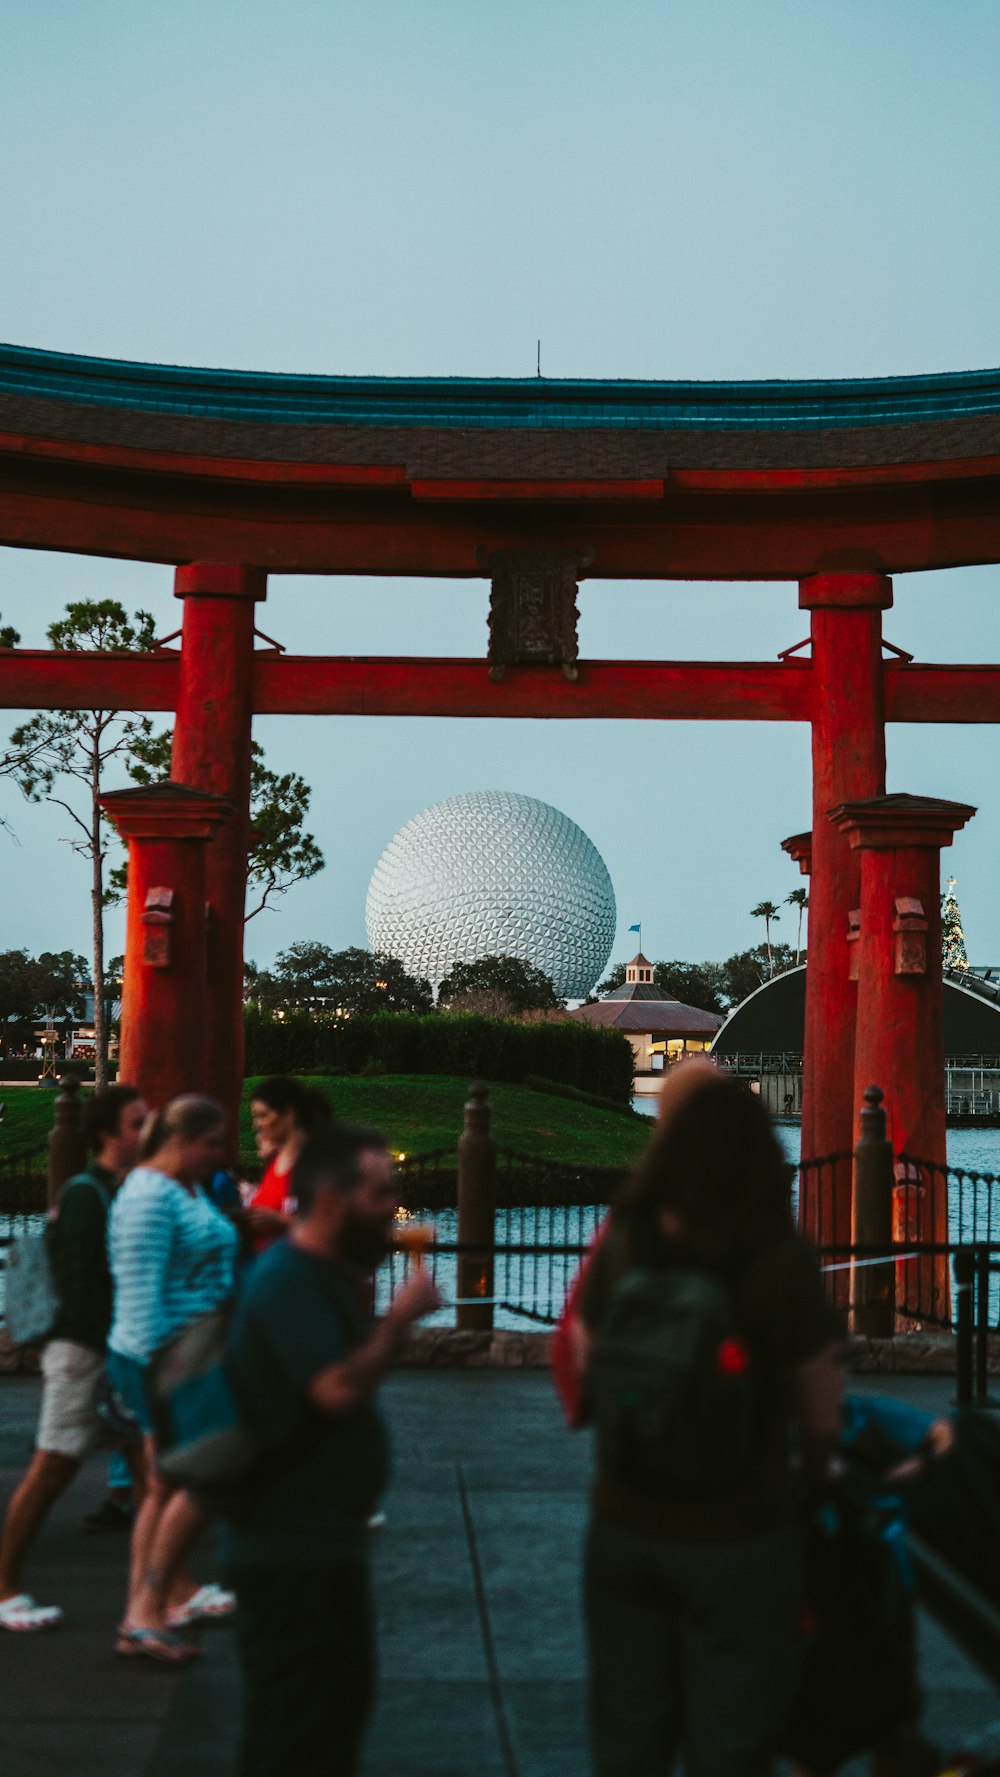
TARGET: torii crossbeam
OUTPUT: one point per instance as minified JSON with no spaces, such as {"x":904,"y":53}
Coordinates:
{"x":230,"y":477}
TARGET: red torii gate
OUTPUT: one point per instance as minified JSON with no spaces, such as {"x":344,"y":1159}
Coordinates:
{"x":230,"y":477}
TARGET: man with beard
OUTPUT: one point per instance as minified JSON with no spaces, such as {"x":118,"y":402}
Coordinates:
{"x":305,"y":1360}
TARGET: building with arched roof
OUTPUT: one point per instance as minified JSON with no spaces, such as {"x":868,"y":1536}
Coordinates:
{"x":763,"y":1039}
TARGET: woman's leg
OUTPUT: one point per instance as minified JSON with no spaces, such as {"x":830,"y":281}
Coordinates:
{"x":634,"y":1656}
{"x":47,"y":1477}
{"x":164,"y":1581}
{"x":156,"y":1492}
{"x":742,"y":1649}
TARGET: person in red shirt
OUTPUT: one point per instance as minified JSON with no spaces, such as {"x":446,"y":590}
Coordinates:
{"x":284,"y":1113}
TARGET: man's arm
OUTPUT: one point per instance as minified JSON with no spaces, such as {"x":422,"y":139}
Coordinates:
{"x":342,"y":1385}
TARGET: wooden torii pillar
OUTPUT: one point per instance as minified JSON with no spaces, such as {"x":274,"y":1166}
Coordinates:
{"x":211,"y":752}
{"x":848,"y":759}
{"x":165,"y":1030}
{"x":899,"y":1039}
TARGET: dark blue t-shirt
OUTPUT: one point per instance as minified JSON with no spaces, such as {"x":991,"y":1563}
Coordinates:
{"x":321,"y":1475}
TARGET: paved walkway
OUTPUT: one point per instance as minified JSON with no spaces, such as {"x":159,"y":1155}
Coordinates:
{"x":482,"y":1668}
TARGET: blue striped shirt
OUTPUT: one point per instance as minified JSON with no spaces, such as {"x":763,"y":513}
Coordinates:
{"x":173,"y":1258}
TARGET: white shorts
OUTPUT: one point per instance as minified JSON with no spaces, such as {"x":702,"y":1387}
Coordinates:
{"x":68,"y":1424}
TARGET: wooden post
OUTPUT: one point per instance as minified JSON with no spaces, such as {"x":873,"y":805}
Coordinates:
{"x":164,"y":1036}
{"x":873,"y":1292}
{"x":899,"y":1036}
{"x":848,"y":752}
{"x":965,"y":1273}
{"x":477,"y":1192}
{"x":211,"y":751}
{"x":67,"y":1142}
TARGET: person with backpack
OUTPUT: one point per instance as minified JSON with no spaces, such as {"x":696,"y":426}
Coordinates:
{"x":706,"y":1350}
{"x":73,"y":1358}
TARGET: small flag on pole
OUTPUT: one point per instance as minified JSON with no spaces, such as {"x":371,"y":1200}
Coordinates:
{"x":635,"y":928}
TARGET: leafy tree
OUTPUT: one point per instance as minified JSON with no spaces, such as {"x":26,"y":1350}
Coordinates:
{"x":63,"y":979}
{"x":498,"y":986}
{"x":799,"y":898}
{"x":19,"y":987}
{"x":743,"y":973}
{"x":615,"y":979}
{"x":768,"y":912}
{"x":283,"y":852}
{"x":353,"y":980}
{"x":29,"y":986}
{"x":9,"y":637}
{"x":75,"y":748}
{"x":694,"y":984}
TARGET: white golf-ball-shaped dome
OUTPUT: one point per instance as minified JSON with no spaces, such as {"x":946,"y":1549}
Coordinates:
{"x":492,"y":873}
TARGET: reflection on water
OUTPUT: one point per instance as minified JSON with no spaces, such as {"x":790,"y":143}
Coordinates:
{"x":969,"y":1150}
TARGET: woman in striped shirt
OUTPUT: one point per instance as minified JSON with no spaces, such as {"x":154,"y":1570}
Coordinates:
{"x":173,"y":1259}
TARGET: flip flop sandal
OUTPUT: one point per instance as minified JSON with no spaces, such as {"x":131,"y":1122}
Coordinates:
{"x":159,"y":1645}
{"x":23,"y":1615}
{"x":208,"y":1605}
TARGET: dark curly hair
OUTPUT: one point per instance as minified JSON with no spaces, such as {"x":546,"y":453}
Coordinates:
{"x":309,"y":1106}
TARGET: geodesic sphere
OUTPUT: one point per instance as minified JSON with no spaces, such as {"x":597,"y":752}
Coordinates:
{"x":492,"y":873}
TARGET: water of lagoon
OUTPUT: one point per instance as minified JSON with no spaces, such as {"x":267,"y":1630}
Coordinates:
{"x":969,"y":1150}
{"x":539,"y":1282}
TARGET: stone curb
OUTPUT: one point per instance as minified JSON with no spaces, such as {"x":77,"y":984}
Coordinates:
{"x":441,"y":1348}
{"x":445,"y":1348}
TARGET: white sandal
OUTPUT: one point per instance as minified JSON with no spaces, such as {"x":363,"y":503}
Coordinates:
{"x":207,"y":1605}
{"x":23,"y":1615}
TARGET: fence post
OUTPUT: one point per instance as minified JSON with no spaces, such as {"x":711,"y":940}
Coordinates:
{"x":965,"y":1270}
{"x":67,"y":1142}
{"x":982,"y":1324}
{"x":477,"y":1191}
{"x":873,"y":1290}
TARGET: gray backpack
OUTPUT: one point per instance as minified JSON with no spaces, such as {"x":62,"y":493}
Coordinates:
{"x":32,"y":1300}
{"x":673,"y":1386}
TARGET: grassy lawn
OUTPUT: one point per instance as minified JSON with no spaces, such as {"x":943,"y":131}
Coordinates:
{"x":417,"y":1112}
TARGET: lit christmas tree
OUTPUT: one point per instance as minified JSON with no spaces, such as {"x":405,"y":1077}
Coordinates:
{"x":952,"y":935}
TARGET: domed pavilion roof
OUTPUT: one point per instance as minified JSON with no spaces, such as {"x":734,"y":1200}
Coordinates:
{"x":640,"y":1006}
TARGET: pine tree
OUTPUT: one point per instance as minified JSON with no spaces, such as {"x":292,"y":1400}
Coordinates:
{"x":952,"y":936}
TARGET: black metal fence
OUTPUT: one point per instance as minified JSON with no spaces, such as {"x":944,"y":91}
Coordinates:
{"x":23,"y":1190}
{"x":536,"y":1253}
{"x":550,"y":1214}
{"x":430,"y":1181}
{"x":544,"y":1215}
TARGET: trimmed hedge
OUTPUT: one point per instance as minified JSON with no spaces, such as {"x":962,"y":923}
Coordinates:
{"x":594,"y":1061}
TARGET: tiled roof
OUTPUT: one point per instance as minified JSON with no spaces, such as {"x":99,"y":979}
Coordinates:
{"x":659,"y":1017}
{"x":481,"y":427}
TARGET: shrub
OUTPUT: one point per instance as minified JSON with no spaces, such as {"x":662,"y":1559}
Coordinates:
{"x":594,"y":1061}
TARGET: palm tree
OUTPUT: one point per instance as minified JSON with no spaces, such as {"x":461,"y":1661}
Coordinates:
{"x":768,"y":912}
{"x":800,"y":899}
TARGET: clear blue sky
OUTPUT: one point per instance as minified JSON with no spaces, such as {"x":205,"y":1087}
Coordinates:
{"x":659,"y":189}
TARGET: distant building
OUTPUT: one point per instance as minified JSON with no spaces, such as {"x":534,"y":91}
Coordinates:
{"x":661,"y":1031}
{"x":762,"y":1040}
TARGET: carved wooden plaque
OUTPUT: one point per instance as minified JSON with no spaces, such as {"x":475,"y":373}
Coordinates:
{"x":157,"y":921}
{"x":533,"y":614}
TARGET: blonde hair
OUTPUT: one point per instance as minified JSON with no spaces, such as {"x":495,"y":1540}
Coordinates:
{"x":185,"y":1117}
